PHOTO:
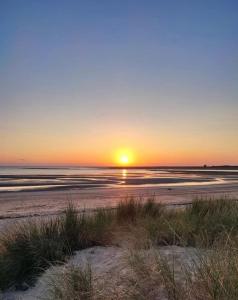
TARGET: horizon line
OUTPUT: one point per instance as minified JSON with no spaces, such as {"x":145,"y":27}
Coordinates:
{"x":49,"y":166}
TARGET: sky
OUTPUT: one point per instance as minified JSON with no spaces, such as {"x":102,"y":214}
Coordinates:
{"x":82,"y":80}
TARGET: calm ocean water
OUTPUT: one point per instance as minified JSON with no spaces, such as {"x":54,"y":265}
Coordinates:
{"x":14,"y":179}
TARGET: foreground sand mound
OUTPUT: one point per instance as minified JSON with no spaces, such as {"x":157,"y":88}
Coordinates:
{"x":111,"y":271}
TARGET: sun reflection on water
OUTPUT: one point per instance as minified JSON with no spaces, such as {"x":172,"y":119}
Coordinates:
{"x":124,"y":173}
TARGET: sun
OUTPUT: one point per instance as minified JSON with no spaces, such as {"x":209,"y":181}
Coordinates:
{"x":124,"y":157}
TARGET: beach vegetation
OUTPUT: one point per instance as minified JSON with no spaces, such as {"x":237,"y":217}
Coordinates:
{"x":70,"y":282}
{"x":32,"y":247}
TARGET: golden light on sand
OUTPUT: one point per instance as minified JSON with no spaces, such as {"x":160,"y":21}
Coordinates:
{"x":124,"y":157}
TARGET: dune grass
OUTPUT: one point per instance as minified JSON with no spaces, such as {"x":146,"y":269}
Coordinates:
{"x":70,"y":282}
{"x":153,"y":277}
{"x":201,"y":224}
{"x":132,"y":210}
{"x":213,"y":274}
{"x":32,"y":247}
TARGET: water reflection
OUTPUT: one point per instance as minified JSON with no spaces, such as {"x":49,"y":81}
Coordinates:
{"x":124,"y":173}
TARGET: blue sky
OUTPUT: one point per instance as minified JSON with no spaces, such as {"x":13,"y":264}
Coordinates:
{"x":82,"y":78}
